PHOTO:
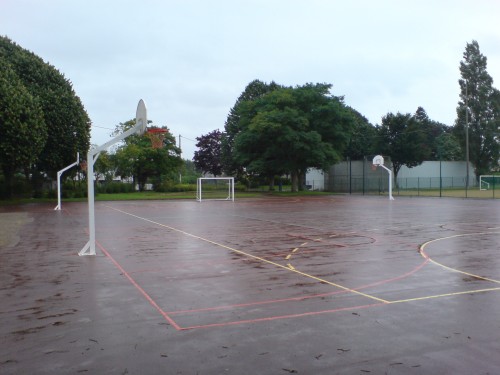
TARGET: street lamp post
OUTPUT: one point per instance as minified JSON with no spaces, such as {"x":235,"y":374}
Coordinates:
{"x":180,"y":171}
{"x":466,"y":139}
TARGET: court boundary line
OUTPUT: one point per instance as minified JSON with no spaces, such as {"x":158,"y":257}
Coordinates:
{"x":426,"y":256}
{"x":252,"y":256}
{"x":344,"y":289}
{"x":139,"y":288}
{"x":278,"y":317}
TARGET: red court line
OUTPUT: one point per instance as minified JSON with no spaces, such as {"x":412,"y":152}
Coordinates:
{"x":248,"y":321}
{"x":271,"y":318}
{"x":142,"y":291}
{"x":403,"y":276}
{"x":266,"y":302}
{"x":224,"y":307}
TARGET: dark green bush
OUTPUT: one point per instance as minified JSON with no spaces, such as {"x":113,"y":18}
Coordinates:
{"x":115,"y":187}
{"x":169,"y":186}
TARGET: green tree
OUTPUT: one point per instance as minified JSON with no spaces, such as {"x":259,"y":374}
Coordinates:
{"x":362,"y":138}
{"x":403,"y":138}
{"x":232,"y":127}
{"x":68,"y":125}
{"x":103,"y":167}
{"x":262,"y":145}
{"x":22,"y":127}
{"x":447,"y":147}
{"x":478,"y":111}
{"x":439,"y":138}
{"x":189,"y":172}
{"x":137,"y":158}
{"x":291,"y":130}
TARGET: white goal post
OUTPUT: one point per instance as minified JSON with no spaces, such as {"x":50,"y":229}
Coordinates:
{"x":215,"y":188}
{"x":487,"y":182}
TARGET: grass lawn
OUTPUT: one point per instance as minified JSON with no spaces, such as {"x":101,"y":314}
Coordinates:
{"x":146,"y":195}
{"x":151,"y":195}
{"x":455,"y":193}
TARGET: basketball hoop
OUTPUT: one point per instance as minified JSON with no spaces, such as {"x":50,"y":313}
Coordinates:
{"x":156,"y":135}
{"x":378,"y":160}
{"x":83,"y":165}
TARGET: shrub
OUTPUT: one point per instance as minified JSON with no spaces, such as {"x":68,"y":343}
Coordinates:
{"x":240,"y":187}
{"x":169,"y":186}
{"x":115,"y":187}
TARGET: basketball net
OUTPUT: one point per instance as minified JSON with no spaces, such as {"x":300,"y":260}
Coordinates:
{"x":83,"y":165}
{"x":156,"y":136}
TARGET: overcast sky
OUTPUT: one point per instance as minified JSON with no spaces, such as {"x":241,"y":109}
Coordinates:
{"x":191,"y":59}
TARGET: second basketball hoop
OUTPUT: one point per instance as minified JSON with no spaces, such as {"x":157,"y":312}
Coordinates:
{"x":378,"y":160}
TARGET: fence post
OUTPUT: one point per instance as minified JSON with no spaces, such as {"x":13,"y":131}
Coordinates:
{"x":364,"y":160}
{"x":440,"y":177}
{"x":494,"y":179}
{"x":350,"y":176}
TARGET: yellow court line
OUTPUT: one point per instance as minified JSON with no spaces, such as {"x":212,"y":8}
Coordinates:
{"x":252,"y":256}
{"x":444,"y":295}
{"x":424,"y":254}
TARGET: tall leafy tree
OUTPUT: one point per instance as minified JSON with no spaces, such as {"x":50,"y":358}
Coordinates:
{"x":478,"y":111}
{"x":264,"y":144}
{"x":291,"y":130}
{"x":208,"y":157}
{"x":68,"y":125}
{"x":447,"y":147}
{"x":23,"y":132}
{"x":439,"y":138}
{"x":189,"y":172}
{"x":232,"y":127}
{"x":137,"y":158}
{"x":362,"y":137}
{"x":403,"y":138}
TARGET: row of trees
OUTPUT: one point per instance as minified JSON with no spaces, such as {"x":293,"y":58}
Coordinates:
{"x":275,"y":130}
{"x":271,"y":130}
{"x":43,"y":124}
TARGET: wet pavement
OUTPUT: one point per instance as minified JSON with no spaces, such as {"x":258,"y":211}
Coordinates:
{"x":317,"y":285}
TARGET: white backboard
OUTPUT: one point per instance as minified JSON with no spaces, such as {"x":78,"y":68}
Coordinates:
{"x":378,"y":160}
{"x":141,"y":115}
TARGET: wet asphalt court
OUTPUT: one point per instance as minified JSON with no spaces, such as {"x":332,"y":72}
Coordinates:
{"x":317,"y":285}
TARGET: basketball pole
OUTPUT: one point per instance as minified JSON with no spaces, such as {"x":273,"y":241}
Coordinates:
{"x":378,"y":161}
{"x":391,"y":198}
{"x":59,"y":174}
{"x":92,"y":155}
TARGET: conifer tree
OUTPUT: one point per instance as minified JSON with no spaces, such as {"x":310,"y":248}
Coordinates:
{"x":478,"y":111}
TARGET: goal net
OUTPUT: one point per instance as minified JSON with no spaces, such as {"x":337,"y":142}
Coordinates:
{"x":215,"y":188}
{"x":487,"y":182}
